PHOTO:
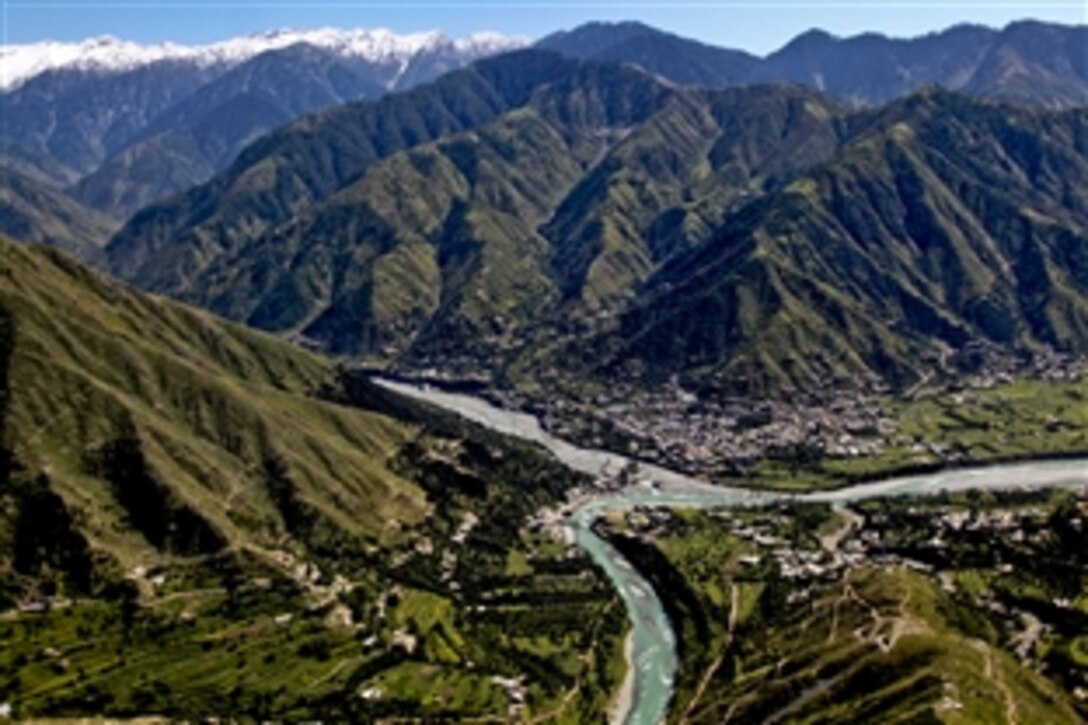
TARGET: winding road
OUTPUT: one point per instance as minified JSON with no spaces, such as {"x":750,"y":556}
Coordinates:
{"x":653,"y":662}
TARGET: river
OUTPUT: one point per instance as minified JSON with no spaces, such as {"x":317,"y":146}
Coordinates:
{"x":652,"y":662}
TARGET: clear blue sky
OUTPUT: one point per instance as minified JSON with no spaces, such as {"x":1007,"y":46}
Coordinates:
{"x":759,"y":26}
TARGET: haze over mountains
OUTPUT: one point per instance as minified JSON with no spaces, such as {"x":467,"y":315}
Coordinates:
{"x":32,"y":210}
{"x":1026,"y":62}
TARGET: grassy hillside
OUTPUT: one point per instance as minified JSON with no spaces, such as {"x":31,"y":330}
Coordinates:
{"x":201,"y":520}
{"x":942,"y":222}
{"x":200,"y":408}
{"x":592,"y":219}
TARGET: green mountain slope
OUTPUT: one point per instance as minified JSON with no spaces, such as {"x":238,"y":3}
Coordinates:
{"x":307,"y":161}
{"x":671,"y":181}
{"x":461,"y":250}
{"x":108,"y":389}
{"x":600,"y":221}
{"x":34,"y":211}
{"x":372,"y":266}
{"x":439,"y":245}
{"x":197,"y":519}
{"x":763,"y":639}
{"x":946,"y":222}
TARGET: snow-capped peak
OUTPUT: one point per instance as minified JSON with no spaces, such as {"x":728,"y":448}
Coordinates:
{"x":19,"y":63}
{"x":486,"y":43}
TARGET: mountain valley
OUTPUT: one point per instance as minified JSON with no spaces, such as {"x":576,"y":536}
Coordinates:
{"x":572,"y":233}
{"x":356,"y":376}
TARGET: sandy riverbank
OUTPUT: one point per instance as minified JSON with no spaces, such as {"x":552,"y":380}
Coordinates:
{"x":620,"y":706}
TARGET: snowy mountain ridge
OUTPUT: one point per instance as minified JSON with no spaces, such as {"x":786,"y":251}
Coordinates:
{"x":20,"y":63}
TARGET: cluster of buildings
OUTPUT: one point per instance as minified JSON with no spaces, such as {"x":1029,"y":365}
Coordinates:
{"x":711,"y":435}
{"x":922,"y":538}
{"x":672,"y":428}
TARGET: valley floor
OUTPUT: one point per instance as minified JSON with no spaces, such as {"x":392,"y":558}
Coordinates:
{"x":1001,"y":413}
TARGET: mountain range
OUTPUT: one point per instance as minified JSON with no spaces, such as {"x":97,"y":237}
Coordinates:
{"x":941,"y":223}
{"x":120,"y":125}
{"x":588,"y":216}
{"x":1027,"y":62}
{"x":622,"y":201}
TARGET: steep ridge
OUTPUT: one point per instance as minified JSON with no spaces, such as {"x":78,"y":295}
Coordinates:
{"x":155,"y":427}
{"x":1037,"y":63}
{"x":675,"y":178}
{"x":946,"y":222}
{"x":670,"y":56}
{"x":307,"y":161}
{"x":196,"y":518}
